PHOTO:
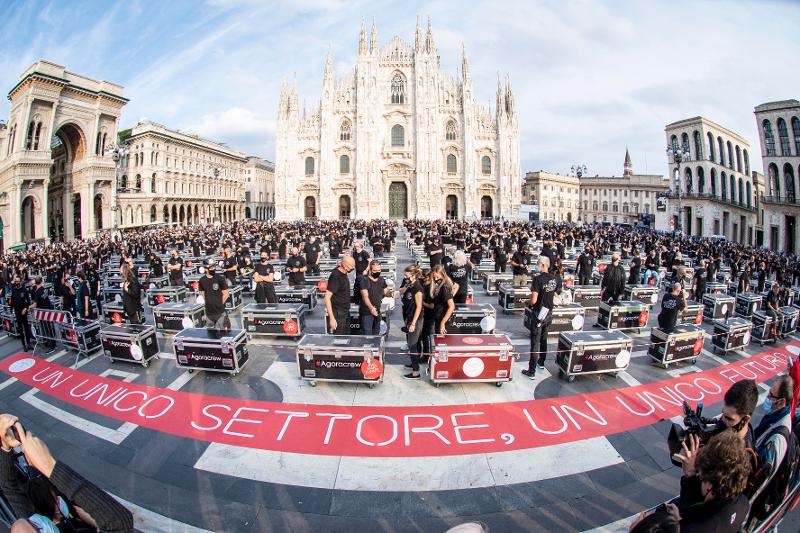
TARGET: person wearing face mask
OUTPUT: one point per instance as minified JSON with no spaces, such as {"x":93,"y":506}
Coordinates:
{"x":214,"y":290}
{"x":296,"y":267}
{"x":175,"y":268}
{"x":263,"y":276}
{"x":20,"y":302}
{"x":337,"y":297}
{"x":373,"y":288}
{"x":411,"y":295}
{"x":441,"y":292}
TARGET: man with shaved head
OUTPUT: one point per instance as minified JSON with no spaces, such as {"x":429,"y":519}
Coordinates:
{"x":544,"y":286}
{"x":337,"y":297}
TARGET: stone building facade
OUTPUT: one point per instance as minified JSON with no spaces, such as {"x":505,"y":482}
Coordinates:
{"x":555,"y":194}
{"x":56,"y":177}
{"x":719,"y":192}
{"x":397,"y":138}
{"x":259,"y":189}
{"x":170,"y":177}
{"x":779,"y":133}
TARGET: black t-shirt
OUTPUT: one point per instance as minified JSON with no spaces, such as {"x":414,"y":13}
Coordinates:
{"x":312,"y":252}
{"x":374,"y":288}
{"x":362,"y":261}
{"x":339,"y":287}
{"x":436,"y":259}
{"x":440,"y":301}
{"x":227,"y":263}
{"x":523,"y":260}
{"x":700,"y":276}
{"x":409,"y":301}
{"x":499,"y":254}
{"x":40,"y":298}
{"x":459,"y":275}
{"x":212,"y":292}
{"x":671,"y":305}
{"x":296,"y":261}
{"x":156,"y":267}
{"x":178,"y":272}
{"x":651,"y":263}
{"x":546,"y":285}
{"x":773,"y":299}
{"x":264,"y":269}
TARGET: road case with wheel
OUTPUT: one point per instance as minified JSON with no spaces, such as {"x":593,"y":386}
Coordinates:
{"x":355,"y":323}
{"x":192,"y":283}
{"x":135,"y":343}
{"x":175,"y":316}
{"x":492,"y":281}
{"x":716,"y":288}
{"x":478,"y":358}
{"x":211,"y":349}
{"x":9,"y":320}
{"x":592,"y":352}
{"x":513,"y":299}
{"x":623,"y":315}
{"x":297,"y":295}
{"x":765,"y":327}
{"x":683,"y":344}
{"x":112,"y":294}
{"x":274,"y":320}
{"x":747,"y":303}
{"x":693,"y":313}
{"x":731,"y":334}
{"x":166,"y":294}
{"x":343,"y":358}
{"x":113,"y":313}
{"x":789,"y":318}
{"x":471,"y":319}
{"x":234,"y":300}
{"x":647,"y":294}
{"x":586,"y":295}
{"x":81,"y":335}
{"x":718,"y":306}
{"x":566,"y":317}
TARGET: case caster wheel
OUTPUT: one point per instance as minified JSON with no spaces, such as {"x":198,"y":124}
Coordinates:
{"x":436,"y":385}
{"x":312,"y":383}
{"x":571,"y":378}
{"x":191,"y":371}
{"x":694,"y":361}
{"x":145,"y":364}
{"x":615,"y":375}
{"x":371,"y":385}
{"x":499,"y":384}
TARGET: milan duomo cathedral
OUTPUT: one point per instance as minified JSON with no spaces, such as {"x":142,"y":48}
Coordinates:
{"x":397,"y":138}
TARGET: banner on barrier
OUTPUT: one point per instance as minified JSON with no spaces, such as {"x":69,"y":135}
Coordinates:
{"x":375,"y":431}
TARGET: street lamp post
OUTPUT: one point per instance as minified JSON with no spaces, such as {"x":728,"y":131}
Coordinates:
{"x":216,"y":171}
{"x":678,"y":156}
{"x":119,"y":153}
{"x":578,"y":171}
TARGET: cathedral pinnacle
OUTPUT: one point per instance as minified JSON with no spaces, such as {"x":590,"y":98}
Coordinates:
{"x":429,"y":46}
{"x":373,"y":39}
{"x":418,"y":37}
{"x":464,"y":63}
{"x":328,"y":66}
{"x":362,"y":39}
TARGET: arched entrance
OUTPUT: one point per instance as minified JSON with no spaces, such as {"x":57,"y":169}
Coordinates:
{"x":451,"y":207}
{"x":174,"y":214}
{"x":76,"y":216}
{"x":569,"y":217}
{"x":152,"y":214}
{"x":247,"y":212}
{"x":486,"y":207}
{"x":310,"y":207}
{"x":344,"y":206}
{"x":98,"y":212}
{"x":182,"y":215}
{"x":398,"y":200}
{"x":166,"y":214}
{"x":27,"y":220}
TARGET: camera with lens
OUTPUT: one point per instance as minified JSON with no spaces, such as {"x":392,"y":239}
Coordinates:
{"x":693,"y":424}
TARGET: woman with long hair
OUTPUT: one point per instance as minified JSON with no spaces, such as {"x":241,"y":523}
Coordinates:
{"x":411,"y":296}
{"x":440,"y":292}
{"x":131,"y":295}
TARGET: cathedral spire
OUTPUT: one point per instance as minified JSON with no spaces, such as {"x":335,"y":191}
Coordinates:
{"x":362,"y":38}
{"x":283,"y":107}
{"x":628,"y":168}
{"x":418,"y":37}
{"x":328,"y":77}
{"x":373,"y":38}
{"x":464,"y":63}
{"x":509,"y":96}
{"x":500,"y":104}
{"x":429,"y":46}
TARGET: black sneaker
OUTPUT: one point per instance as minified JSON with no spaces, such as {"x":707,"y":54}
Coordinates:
{"x":412,"y":376}
{"x":540,"y":366}
{"x":531,"y":374}
{"x":408,"y":366}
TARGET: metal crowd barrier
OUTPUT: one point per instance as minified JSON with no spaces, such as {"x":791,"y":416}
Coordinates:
{"x":60,"y":327}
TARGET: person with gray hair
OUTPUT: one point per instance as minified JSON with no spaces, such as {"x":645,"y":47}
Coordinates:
{"x":459,"y":270}
{"x":543,"y":288}
{"x":613,"y":282}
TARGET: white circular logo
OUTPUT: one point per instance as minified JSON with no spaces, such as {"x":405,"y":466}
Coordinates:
{"x":117,"y":298}
{"x":187,"y":322}
{"x":200,"y":299}
{"x":623,"y":358}
{"x":653,"y":298}
{"x":746,"y":338}
{"x":276,"y":276}
{"x":21,"y":365}
{"x":724,"y":309}
{"x":487,"y":324}
{"x":473,"y":367}
{"x":383,"y":328}
{"x":136,"y":352}
{"x":577,"y":322}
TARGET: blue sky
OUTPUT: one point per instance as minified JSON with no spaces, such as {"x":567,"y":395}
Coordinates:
{"x":589,"y":77}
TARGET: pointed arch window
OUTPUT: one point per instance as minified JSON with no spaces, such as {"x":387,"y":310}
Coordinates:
{"x":398,"y":135}
{"x":769,"y":138}
{"x":309,"y":166}
{"x":344,"y":164}
{"x":450,"y":130}
{"x":486,"y":165}
{"x":345,"y":133}
{"x":398,"y":88}
{"x":452,"y":164}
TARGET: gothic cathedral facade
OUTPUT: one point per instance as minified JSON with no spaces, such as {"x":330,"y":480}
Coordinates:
{"x":397,"y":138}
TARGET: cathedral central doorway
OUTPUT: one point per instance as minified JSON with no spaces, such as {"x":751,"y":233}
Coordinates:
{"x":451,"y":207}
{"x":344,"y":207}
{"x":398,"y":200}
{"x":486,"y":207}
{"x":310,"y":207}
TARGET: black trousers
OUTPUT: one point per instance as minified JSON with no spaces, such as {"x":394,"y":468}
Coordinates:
{"x":342,"y":317}
{"x":539,"y":343}
{"x":500,"y":267}
{"x":265,"y":293}
{"x":583,"y":278}
{"x":24,"y":327}
{"x":312,"y":268}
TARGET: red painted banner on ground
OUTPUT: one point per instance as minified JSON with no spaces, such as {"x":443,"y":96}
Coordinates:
{"x":409,"y":431}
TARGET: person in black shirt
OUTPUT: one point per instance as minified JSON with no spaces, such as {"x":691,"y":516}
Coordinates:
{"x":337,"y":297}
{"x":435,"y":252}
{"x":83,"y":304}
{"x":475,"y":252}
{"x":361,"y":258}
{"x":312,"y":250}
{"x":636,"y":269}
{"x":543,"y":288}
{"x":699,"y":281}
{"x":296,"y":267}
{"x":520,"y":266}
{"x":263,"y":277}
{"x":373,"y":288}
{"x":156,"y":266}
{"x":214,"y":290}
{"x":440,"y":292}
{"x":585,"y":266}
{"x":175,"y":268}
{"x":411,"y":294}
{"x":773,"y":303}
{"x":651,"y":265}
{"x":230,"y":266}
{"x":672,"y":304}
{"x":613,"y":282}
{"x":459,"y":270}
{"x":500,"y":258}
{"x":67,"y":292}
{"x":762,"y":276}
{"x":20,"y":302}
{"x":131,"y":295}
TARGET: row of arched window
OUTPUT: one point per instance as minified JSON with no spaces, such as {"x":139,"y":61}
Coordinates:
{"x":719,"y":151}
{"x":34,"y":134}
{"x":398,"y":132}
{"x":730,"y":188}
{"x":452,"y":165}
{"x":615,"y":207}
{"x":783,"y":137}
{"x":774,"y":182}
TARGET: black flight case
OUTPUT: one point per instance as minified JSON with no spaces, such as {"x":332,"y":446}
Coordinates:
{"x":211,"y":349}
{"x":274,"y":320}
{"x":623,"y":315}
{"x":592,"y":352}
{"x":175,"y":316}
{"x":683,"y":344}
{"x":135,"y":343}
{"x":731,"y":334}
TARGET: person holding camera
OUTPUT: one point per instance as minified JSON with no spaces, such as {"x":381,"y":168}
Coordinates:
{"x":47,"y":495}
